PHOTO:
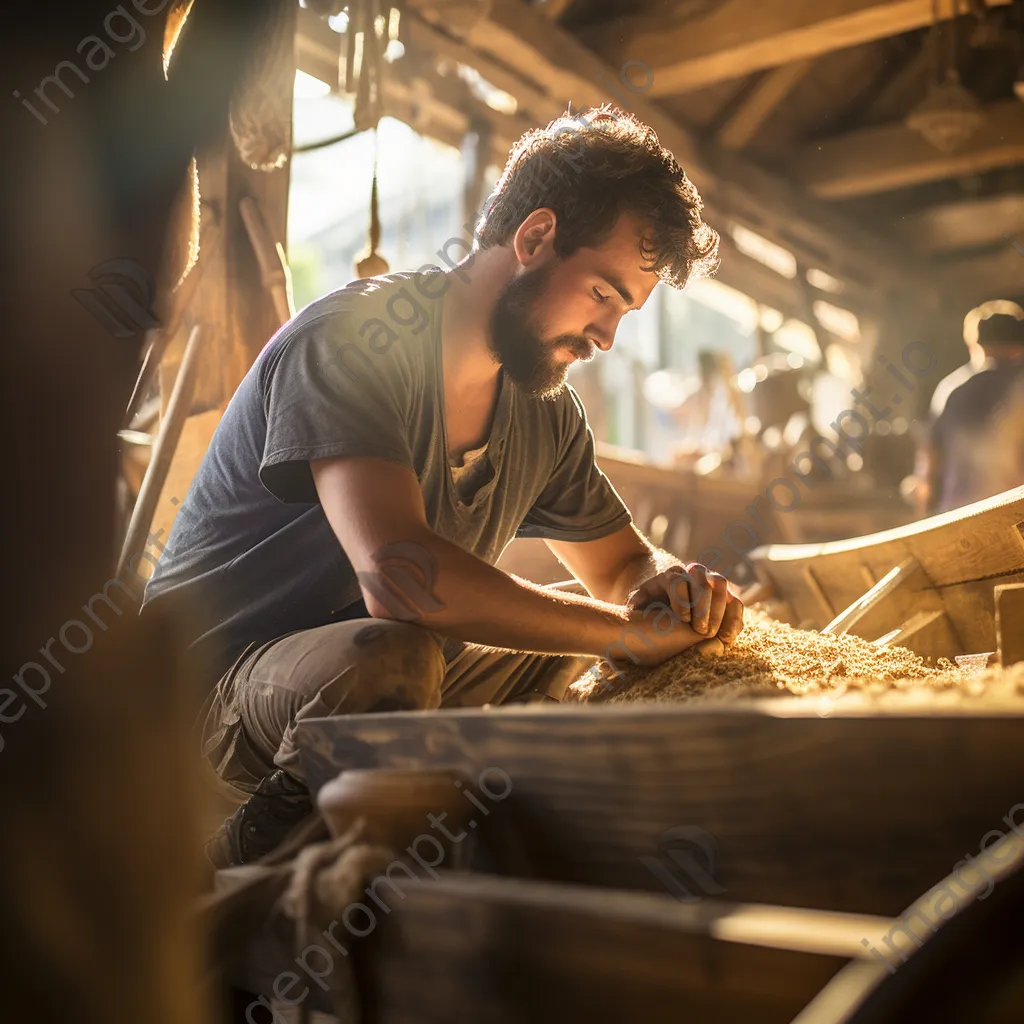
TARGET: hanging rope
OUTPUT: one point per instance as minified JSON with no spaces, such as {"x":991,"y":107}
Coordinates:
{"x":370,"y":263}
{"x":372,"y":26}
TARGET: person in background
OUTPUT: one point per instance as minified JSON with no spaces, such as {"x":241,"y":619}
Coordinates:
{"x":708,"y":418}
{"x":975,"y":443}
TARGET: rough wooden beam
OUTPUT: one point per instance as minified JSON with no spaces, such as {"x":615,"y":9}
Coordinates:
{"x":450,"y":97}
{"x":317,"y":47}
{"x":520,"y":37}
{"x":231,"y":302}
{"x":741,"y":36}
{"x":761,"y":283}
{"x":545,"y":68}
{"x":905,"y":88}
{"x":966,"y":225}
{"x":583,"y":954}
{"x":764,"y":285}
{"x":756,"y":107}
{"x":818,"y":235}
{"x":318,"y":50}
{"x":893,"y":156}
{"x":162,"y":455}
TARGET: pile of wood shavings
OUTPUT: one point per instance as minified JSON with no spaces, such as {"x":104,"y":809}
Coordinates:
{"x":770,"y":658}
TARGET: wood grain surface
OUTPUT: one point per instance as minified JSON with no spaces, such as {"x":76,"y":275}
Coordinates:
{"x":852,"y":812}
{"x":489,"y":950}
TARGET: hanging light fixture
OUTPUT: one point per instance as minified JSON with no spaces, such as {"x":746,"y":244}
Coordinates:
{"x":950,"y":114}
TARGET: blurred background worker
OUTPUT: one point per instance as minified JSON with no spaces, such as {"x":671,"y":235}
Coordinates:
{"x":709,"y":417}
{"x":703,"y":412}
{"x":975,"y":444}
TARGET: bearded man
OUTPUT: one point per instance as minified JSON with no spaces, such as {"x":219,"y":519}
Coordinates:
{"x":335,"y":553}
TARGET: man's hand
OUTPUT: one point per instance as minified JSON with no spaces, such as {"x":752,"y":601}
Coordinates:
{"x":696,"y":596}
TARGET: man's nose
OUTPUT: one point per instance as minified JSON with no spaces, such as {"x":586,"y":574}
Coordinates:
{"x":602,"y":335}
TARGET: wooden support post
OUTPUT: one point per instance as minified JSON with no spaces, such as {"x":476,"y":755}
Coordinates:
{"x":158,"y":339}
{"x":275,"y":275}
{"x":232,"y":295}
{"x":477,"y":146}
{"x":810,"y":316}
{"x":163,"y":453}
{"x":1009,"y":601}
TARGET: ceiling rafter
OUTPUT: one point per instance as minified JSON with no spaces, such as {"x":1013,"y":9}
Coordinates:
{"x":872,"y":160}
{"x":742,"y":36}
{"x":757,"y":106}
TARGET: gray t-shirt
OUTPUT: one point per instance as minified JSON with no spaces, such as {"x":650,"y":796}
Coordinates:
{"x":251,"y":555}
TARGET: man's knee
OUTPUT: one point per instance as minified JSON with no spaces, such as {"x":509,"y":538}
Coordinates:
{"x":401,"y":667}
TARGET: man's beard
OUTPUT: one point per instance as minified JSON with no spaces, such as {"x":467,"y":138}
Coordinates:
{"x":516,"y":341}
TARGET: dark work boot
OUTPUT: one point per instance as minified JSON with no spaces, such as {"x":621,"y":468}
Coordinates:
{"x":261,"y":823}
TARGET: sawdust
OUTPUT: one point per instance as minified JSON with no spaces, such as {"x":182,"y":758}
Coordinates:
{"x":771,"y":658}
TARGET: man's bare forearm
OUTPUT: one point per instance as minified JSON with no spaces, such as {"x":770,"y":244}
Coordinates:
{"x":475,"y":602}
{"x":409,"y":573}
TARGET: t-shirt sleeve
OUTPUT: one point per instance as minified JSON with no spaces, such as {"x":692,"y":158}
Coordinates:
{"x":579,"y":502}
{"x":327,"y":393}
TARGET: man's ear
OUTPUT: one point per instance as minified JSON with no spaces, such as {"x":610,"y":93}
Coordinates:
{"x":535,"y":236}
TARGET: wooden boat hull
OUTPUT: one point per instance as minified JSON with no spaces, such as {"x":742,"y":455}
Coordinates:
{"x":947,"y":604}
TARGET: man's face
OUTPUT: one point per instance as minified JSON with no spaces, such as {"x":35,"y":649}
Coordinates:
{"x":557,"y":311}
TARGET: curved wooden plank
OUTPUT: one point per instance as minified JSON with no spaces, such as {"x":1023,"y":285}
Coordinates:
{"x":962,"y":553}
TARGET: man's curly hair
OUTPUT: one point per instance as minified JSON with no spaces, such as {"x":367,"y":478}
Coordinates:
{"x":590,"y":169}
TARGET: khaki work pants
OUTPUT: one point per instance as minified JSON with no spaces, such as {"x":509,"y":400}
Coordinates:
{"x":356,"y":667}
